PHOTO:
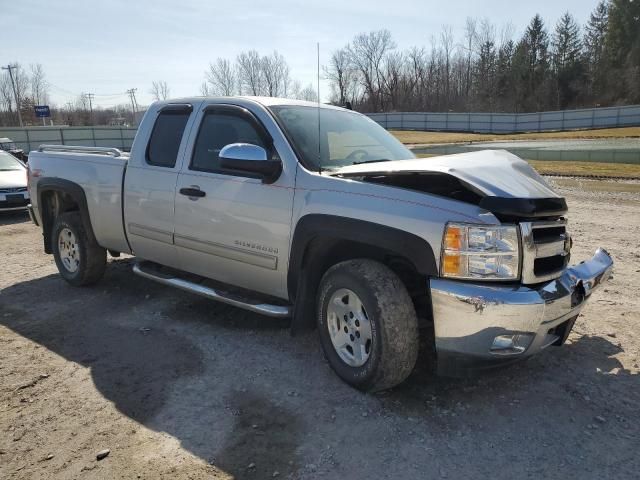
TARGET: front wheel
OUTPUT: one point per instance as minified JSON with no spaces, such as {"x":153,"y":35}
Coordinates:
{"x":80,"y":260}
{"x":367,"y":324}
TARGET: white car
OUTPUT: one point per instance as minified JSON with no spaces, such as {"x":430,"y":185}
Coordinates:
{"x":13,"y":183}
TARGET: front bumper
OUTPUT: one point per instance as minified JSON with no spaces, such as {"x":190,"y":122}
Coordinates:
{"x":474,"y":322}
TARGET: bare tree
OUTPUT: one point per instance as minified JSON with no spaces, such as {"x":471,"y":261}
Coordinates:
{"x":366,"y":53}
{"x":275,"y":73}
{"x":295,"y":89}
{"x":446,"y":39}
{"x":340,"y":73}
{"x":393,"y":77}
{"x":470,"y":35}
{"x":308,"y":93}
{"x":6,"y":94}
{"x":250,"y":75}
{"x":39,"y":85}
{"x":222,"y":78}
{"x":204,"y":89}
{"x":159,"y":90}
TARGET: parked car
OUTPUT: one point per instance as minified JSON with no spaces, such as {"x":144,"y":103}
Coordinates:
{"x":13,"y":183}
{"x":9,"y":145}
{"x":289,"y":208}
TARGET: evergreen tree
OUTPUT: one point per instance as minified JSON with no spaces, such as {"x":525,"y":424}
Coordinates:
{"x":567,"y":62}
{"x":485,"y":76}
{"x":504,"y":77}
{"x":594,"y":38}
{"x":622,"y":47}
{"x":536,"y":44}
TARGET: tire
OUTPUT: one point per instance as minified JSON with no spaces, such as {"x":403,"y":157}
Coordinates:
{"x":80,"y":260}
{"x":392,"y":333}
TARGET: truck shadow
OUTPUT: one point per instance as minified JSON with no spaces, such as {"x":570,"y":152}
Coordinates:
{"x":237,"y":391}
{"x":11,"y":218}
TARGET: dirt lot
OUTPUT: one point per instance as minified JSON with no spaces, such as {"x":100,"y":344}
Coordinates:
{"x":180,"y":387}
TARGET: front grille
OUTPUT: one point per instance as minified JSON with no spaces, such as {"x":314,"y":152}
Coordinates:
{"x":13,"y":190}
{"x":545,"y":250}
{"x":14,"y":204}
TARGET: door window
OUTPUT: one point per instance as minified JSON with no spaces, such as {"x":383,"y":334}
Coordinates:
{"x":218,"y":130}
{"x":166,"y":136}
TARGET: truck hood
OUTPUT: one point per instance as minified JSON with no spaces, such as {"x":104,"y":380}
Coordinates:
{"x":13,"y":178}
{"x":493,"y":179}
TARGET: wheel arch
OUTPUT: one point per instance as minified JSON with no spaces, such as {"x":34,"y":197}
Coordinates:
{"x":56,"y":196}
{"x":321,"y":240}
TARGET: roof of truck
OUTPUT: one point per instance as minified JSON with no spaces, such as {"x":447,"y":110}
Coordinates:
{"x":266,"y":101}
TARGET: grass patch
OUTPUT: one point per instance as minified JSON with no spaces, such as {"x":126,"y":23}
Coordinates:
{"x":622,"y":170}
{"x":412,"y":137}
{"x":544,"y":167}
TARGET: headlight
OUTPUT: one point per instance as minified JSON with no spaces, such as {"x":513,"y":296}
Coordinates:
{"x":480,"y":252}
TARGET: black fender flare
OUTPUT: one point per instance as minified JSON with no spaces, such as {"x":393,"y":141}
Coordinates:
{"x":75,"y":191}
{"x":303,"y":276}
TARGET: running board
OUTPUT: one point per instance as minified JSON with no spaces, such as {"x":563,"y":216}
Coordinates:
{"x":144,"y":269}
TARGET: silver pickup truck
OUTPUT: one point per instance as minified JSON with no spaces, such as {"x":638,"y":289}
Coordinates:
{"x":291,"y":209}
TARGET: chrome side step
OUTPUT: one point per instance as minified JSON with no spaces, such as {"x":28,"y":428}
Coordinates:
{"x":279,"y":311}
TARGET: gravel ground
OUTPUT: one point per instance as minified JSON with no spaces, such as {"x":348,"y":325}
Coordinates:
{"x":179,"y":387}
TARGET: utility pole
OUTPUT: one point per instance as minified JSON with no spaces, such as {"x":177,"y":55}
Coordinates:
{"x":69,"y":117}
{"x":134,"y":104}
{"x":89,"y":97}
{"x":15,"y":92}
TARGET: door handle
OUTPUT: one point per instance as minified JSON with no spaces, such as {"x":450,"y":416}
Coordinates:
{"x":192,"y":192}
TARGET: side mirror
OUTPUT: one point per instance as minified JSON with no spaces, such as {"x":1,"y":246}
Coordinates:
{"x":248,"y":158}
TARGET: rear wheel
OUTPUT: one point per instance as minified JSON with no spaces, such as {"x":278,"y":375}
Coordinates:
{"x":367,"y":324}
{"x":80,"y":260}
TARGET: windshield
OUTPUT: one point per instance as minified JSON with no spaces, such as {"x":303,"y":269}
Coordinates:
{"x":9,"y":162}
{"x":8,"y":146}
{"x":346,"y":137}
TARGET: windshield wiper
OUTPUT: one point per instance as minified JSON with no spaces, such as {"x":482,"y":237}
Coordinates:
{"x":371,"y":161}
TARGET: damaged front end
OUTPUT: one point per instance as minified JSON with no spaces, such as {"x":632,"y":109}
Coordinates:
{"x":494,"y":180}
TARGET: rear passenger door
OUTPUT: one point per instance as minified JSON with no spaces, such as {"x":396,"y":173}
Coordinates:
{"x":150,"y":184}
{"x":237,"y":229}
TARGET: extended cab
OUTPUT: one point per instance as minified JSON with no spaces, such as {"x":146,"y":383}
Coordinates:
{"x":289,"y":208}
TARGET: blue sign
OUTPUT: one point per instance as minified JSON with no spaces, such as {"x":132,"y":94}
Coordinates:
{"x":42,"y":111}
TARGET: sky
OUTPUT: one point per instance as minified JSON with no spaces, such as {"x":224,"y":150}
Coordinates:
{"x":107,"y":47}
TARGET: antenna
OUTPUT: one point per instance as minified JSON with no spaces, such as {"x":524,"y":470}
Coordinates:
{"x":319,"y":153}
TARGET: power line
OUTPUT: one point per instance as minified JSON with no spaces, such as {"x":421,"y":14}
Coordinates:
{"x":15,"y":92}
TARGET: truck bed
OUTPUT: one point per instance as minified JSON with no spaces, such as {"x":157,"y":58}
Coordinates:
{"x":100,"y":172}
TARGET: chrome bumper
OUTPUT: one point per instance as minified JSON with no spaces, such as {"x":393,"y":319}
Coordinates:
{"x":479,"y":326}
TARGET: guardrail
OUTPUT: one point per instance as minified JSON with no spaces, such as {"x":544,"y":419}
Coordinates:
{"x":30,"y":138}
{"x":587,"y":118}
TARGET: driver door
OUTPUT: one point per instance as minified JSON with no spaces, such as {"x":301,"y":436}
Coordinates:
{"x":230,"y":226}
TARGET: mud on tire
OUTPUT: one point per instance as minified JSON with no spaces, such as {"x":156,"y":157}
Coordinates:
{"x":80,"y":260}
{"x":386,"y":304}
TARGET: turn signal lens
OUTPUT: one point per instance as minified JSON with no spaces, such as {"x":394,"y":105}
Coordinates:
{"x":453,"y":238}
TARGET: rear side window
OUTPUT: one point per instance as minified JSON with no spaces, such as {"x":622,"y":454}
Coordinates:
{"x":218,"y":130}
{"x":165,"y":138}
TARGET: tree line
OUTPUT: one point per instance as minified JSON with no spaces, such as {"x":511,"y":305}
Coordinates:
{"x":254,"y":74}
{"x":567,"y":66}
